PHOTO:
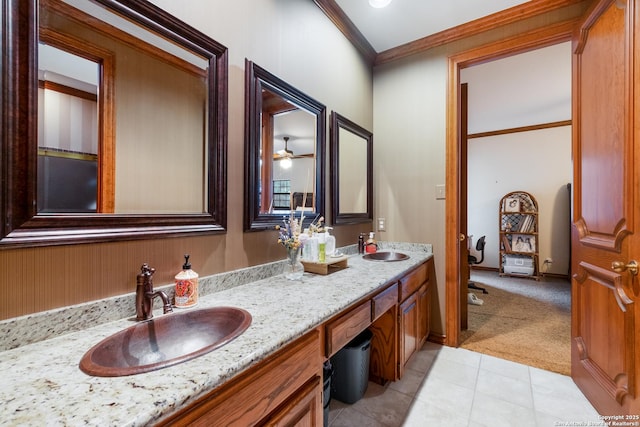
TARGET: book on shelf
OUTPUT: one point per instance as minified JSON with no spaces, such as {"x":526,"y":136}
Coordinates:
{"x":505,"y":243}
{"x":526,"y":224}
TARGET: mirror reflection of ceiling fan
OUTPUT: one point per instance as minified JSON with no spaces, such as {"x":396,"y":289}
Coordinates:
{"x":286,"y":153}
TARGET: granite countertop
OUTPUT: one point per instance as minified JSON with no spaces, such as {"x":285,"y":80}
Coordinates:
{"x":42,"y":384}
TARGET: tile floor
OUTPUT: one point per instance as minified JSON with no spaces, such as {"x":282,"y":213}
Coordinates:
{"x":452,"y":387}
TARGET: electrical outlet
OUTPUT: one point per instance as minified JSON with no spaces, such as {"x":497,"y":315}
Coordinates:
{"x":382,"y":226}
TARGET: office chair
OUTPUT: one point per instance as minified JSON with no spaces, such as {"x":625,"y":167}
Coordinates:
{"x":474,"y":260}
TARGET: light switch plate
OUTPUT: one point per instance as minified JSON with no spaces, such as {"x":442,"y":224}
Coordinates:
{"x":440,"y":192}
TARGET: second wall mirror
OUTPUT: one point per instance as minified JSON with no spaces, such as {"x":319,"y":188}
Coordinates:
{"x":284,"y":151}
{"x":351,"y":171}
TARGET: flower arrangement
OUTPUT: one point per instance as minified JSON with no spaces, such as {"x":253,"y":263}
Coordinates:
{"x":316,"y":225}
{"x":289,"y":233}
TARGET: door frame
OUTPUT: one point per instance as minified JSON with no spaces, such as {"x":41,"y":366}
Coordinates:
{"x":535,"y":39}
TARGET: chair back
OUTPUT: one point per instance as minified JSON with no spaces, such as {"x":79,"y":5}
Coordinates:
{"x":480,"y":248}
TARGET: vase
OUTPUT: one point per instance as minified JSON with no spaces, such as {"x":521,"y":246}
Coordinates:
{"x":293,"y":269}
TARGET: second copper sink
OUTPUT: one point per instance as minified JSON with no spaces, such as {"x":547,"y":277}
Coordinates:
{"x":165,"y":341}
{"x":386,"y":256}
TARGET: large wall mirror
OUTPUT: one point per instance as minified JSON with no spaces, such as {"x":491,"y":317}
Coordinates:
{"x":284,"y":151}
{"x":116,"y":124}
{"x":351,"y":171}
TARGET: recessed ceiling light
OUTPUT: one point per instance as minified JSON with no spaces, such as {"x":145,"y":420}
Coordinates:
{"x":379,"y":3}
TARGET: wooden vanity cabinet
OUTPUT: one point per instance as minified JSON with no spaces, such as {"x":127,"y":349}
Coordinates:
{"x":378,"y":314}
{"x":414,"y":313}
{"x":285,"y":389}
{"x":399,"y":318}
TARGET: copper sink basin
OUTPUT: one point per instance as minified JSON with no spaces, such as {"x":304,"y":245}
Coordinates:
{"x":165,"y":341}
{"x":386,"y":256}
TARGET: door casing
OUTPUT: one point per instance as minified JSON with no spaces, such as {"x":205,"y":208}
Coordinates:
{"x":537,"y":39}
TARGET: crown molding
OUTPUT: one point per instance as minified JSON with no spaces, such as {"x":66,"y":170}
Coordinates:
{"x":348,"y":28}
{"x":508,"y":16}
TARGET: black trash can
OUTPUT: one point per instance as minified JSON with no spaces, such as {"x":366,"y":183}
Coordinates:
{"x":327,"y":371}
{"x":351,"y":369}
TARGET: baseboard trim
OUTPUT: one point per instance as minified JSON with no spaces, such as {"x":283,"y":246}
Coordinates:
{"x":497,"y":270}
{"x":485,"y":268}
{"x":437,"y":338}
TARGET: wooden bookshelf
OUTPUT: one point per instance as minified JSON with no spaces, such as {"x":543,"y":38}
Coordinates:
{"x":519,"y":243}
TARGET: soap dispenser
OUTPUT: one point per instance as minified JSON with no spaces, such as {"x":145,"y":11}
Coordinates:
{"x":371,"y":246}
{"x":330,"y":247}
{"x":186,"y":286}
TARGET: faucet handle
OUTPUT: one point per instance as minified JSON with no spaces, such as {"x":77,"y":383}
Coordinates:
{"x":146,"y":270}
{"x":145,"y":277}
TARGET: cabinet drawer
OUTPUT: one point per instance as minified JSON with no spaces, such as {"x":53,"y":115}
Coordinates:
{"x":345,"y":328}
{"x":412,"y":281}
{"x":384,"y":301}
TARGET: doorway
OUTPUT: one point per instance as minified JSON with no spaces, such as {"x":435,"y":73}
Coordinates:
{"x":455,"y":217}
{"x":519,"y":119}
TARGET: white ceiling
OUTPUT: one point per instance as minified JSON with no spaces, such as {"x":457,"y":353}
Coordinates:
{"x":404,"y":21}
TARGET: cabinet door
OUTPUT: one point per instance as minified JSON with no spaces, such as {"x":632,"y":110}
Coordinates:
{"x":304,"y":409}
{"x":424,"y":314}
{"x":408,"y":330}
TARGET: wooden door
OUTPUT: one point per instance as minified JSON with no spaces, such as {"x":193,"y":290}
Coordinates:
{"x":605,"y":348}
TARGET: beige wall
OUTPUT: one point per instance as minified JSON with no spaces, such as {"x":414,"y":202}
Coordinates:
{"x":410,"y":143}
{"x":292,"y":39}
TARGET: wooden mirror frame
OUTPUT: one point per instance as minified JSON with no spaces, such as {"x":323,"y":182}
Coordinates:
{"x":338,"y":122}
{"x":21,"y":225}
{"x":257,"y":78}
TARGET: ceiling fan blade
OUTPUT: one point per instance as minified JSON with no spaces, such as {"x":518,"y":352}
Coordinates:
{"x":281,"y":154}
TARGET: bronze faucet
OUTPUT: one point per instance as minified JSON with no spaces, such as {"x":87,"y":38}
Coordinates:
{"x":145,"y":294}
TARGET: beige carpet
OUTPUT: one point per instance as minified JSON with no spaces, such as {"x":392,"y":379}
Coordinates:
{"x":522,"y":320}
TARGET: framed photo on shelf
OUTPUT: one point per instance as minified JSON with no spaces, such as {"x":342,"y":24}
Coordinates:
{"x":512,"y":204}
{"x":523,"y":243}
